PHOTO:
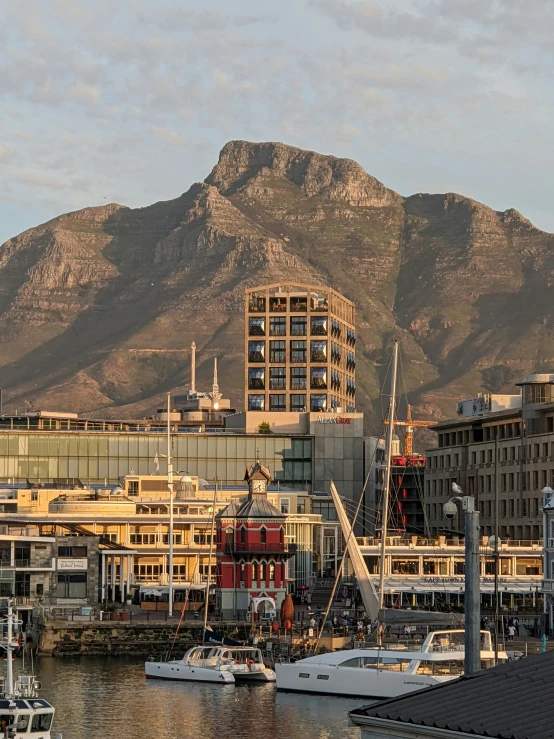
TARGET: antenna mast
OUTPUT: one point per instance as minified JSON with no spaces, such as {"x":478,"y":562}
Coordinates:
{"x":193,"y":367}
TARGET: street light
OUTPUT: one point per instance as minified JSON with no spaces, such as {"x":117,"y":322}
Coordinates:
{"x":472,"y":636}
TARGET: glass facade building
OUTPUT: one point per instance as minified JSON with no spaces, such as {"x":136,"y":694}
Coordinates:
{"x":98,"y":457}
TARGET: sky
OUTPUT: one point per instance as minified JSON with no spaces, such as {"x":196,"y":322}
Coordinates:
{"x":130,"y":101}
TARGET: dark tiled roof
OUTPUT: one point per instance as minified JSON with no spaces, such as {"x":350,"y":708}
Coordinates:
{"x":258,"y":470}
{"x":258,"y":506}
{"x":512,"y":701}
{"x":229,"y":511}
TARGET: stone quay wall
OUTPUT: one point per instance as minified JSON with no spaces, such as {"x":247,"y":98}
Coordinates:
{"x":116,"y":639}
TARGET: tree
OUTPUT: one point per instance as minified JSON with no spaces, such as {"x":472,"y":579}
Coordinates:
{"x":264,"y":428}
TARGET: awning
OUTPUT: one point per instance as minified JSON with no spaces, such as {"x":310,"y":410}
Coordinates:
{"x":164,"y":589}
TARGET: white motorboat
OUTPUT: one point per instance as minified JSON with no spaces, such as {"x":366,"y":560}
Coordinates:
{"x":384,"y":672}
{"x":22,"y":711}
{"x":214,"y":664}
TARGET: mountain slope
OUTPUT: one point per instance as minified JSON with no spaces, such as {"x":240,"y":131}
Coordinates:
{"x":98,"y":308}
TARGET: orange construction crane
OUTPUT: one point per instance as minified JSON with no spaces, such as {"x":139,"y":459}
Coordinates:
{"x":409,"y":425}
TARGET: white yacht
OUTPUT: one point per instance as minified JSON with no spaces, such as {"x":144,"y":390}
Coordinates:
{"x":22,"y":711}
{"x":383,"y":672}
{"x":214,"y":664}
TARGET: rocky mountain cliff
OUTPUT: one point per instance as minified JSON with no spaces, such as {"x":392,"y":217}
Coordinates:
{"x":98,"y":307}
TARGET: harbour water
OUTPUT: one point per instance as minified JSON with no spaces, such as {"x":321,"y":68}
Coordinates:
{"x":97,"y":698}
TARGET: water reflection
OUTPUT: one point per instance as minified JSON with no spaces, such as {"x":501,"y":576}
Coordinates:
{"x":95,"y":698}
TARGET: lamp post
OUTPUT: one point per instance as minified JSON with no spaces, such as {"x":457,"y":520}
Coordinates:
{"x":472,"y":658}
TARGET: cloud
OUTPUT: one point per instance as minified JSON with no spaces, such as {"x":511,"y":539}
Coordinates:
{"x":137,"y":98}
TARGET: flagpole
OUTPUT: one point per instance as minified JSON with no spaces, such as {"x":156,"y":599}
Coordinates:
{"x":170,"y":486}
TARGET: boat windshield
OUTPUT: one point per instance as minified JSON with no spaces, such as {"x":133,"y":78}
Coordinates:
{"x":243,"y":656}
{"x":395,"y":664}
{"x":447,"y":641}
{"x":443,"y":667}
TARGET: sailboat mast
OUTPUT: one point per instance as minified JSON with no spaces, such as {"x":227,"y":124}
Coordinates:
{"x":386,"y":489}
{"x":9,"y":657}
{"x":170,"y":486}
{"x":209,"y":564}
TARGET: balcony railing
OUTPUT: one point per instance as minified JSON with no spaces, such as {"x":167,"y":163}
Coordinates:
{"x":260,"y":548}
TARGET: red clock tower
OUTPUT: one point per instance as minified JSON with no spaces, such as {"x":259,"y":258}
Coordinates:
{"x":251,"y":550}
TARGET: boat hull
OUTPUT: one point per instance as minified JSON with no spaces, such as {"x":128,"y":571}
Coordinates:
{"x":260,"y":676}
{"x":187,"y":673}
{"x":349,"y":682}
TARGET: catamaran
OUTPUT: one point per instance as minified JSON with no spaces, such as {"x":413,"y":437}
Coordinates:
{"x":214,"y":664}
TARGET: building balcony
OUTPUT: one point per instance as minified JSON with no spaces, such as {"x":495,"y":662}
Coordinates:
{"x":260,"y":548}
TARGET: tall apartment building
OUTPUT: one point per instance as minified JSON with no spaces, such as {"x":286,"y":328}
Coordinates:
{"x":505,"y":455}
{"x":300,"y":349}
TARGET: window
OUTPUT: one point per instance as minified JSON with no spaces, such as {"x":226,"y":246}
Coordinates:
{"x":298,"y":326}
{"x":278,"y":378}
{"x":535,"y":479}
{"x":284,"y":505}
{"x":277,"y":402}
{"x":263,"y":535}
{"x":303,"y":674}
{"x":177,"y":538}
{"x":72,"y":586}
{"x":435,"y":566}
{"x":405,"y":567}
{"x":271,"y":572}
{"x":318,"y":403}
{"x":298,"y":378}
{"x":256,"y":326}
{"x":297,"y":351}
{"x":256,"y":378}
{"x":133,"y":488}
{"x":318,"y":378}
{"x":318,"y":326}
{"x":41,"y":722}
{"x":256,"y":351}
{"x":473,"y":457}
{"x":277,"y":326}
{"x":277,"y":351}
{"x":71,"y":551}
{"x":323,"y":677}
{"x":529,"y":566}
{"x":298,"y":403}
{"x":278,"y":304}
{"x":202,"y":537}
{"x":318,"y":351}
{"x":143,"y":539}
{"x":243,"y":535}
{"x":256,"y":402}
{"x":459,"y":567}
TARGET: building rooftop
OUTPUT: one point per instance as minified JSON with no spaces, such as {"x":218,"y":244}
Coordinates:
{"x":512,"y":701}
{"x":485,"y":418}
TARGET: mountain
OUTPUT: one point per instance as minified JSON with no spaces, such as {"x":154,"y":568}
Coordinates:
{"x":98,"y":307}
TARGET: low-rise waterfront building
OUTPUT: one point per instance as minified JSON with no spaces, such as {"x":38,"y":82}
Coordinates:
{"x":431,"y":572}
{"x":53,"y":570}
{"x":132,"y":524}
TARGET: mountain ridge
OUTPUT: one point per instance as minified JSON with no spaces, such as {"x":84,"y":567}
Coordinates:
{"x":99,"y":306}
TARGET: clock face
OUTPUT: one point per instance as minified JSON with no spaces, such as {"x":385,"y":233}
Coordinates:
{"x":258,"y":486}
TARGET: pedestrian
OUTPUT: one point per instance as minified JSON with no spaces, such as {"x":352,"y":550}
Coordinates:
{"x":308,"y":598}
{"x":516,"y":625}
{"x":360,"y":627}
{"x":320,"y":625}
{"x":511,"y":632}
{"x":335,"y":621}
